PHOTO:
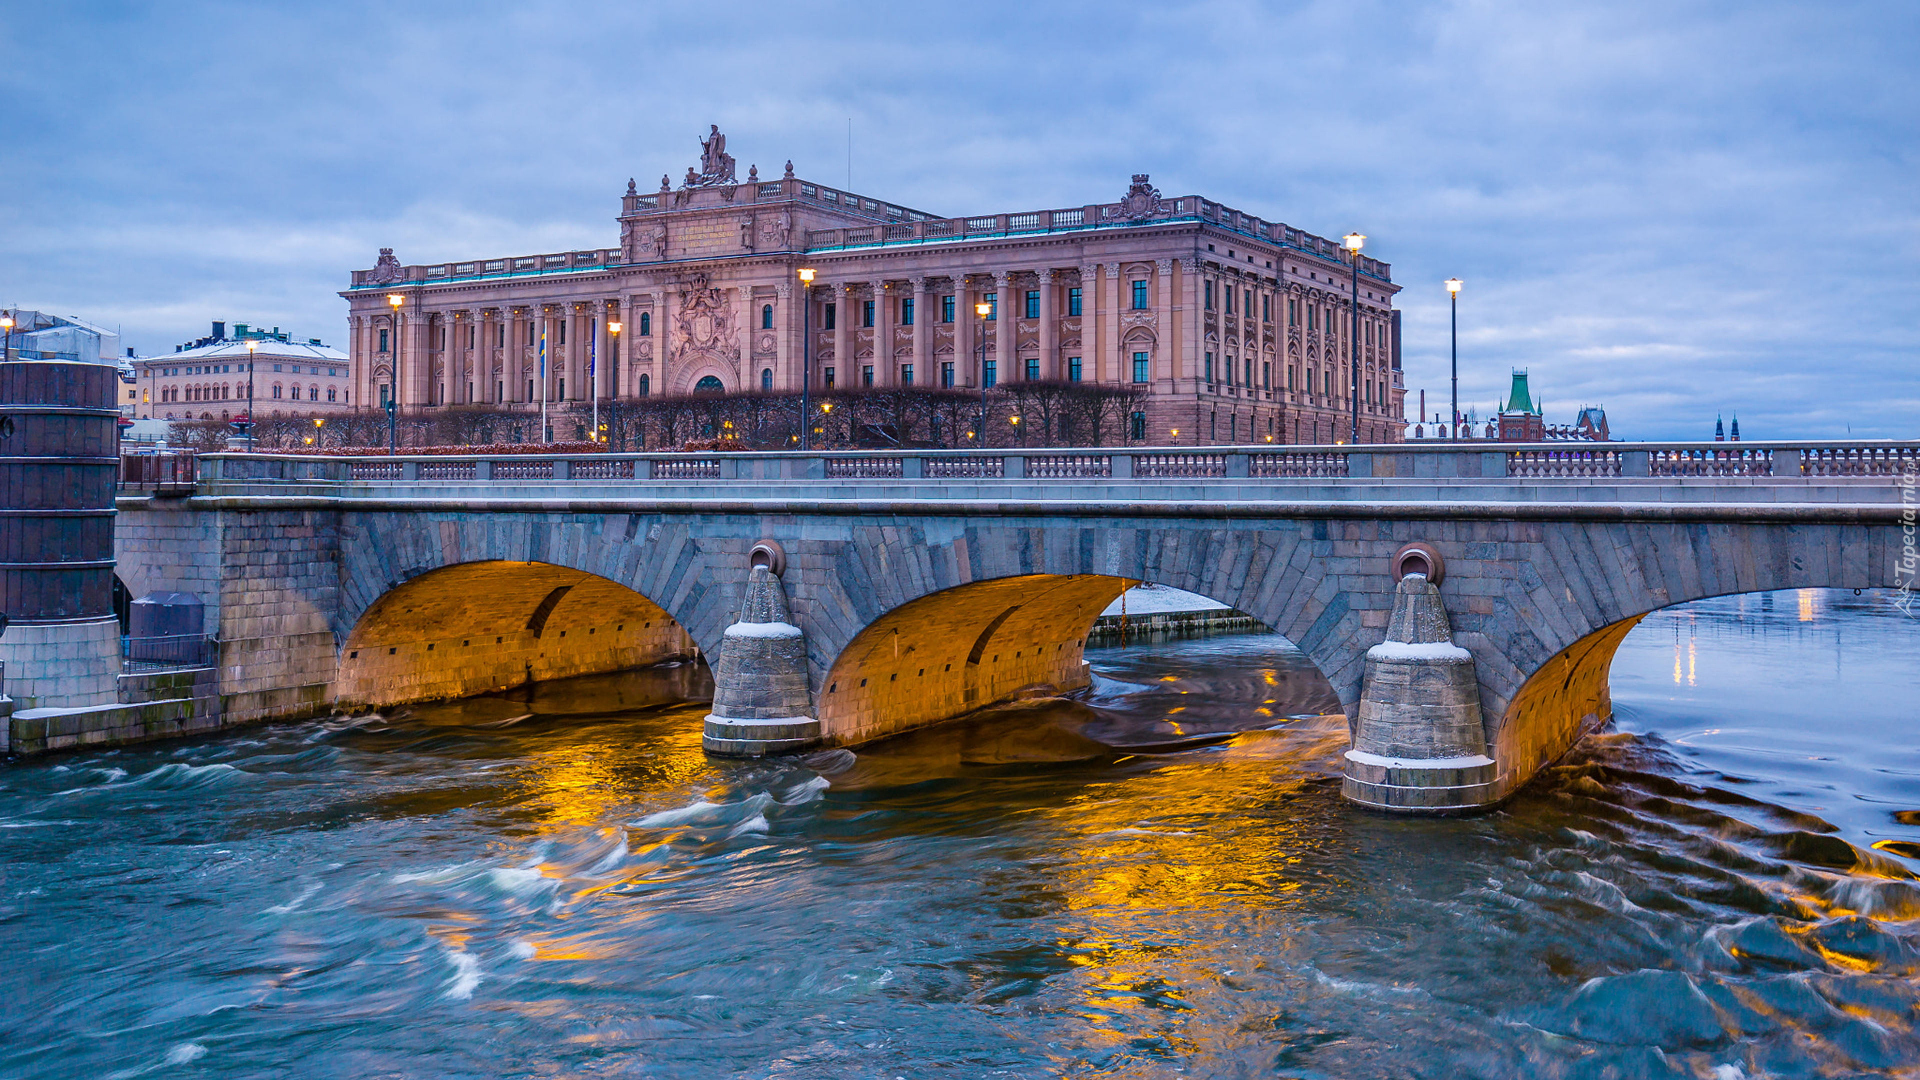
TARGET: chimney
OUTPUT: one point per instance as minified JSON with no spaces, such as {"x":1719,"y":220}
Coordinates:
{"x":219,"y":331}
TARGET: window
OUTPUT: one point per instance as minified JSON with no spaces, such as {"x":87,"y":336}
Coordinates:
{"x":1142,"y":370}
{"x":991,"y":375}
{"x":826,"y":322}
{"x":906,"y":311}
{"x":906,"y":374}
{"x":276,"y":390}
{"x":1226,"y":376}
{"x":766,"y":316}
{"x":313,"y":393}
{"x":1073,"y":369}
{"x":1313,"y":320}
{"x":1266,"y":309}
{"x":1033,"y":304}
{"x":866,"y":375}
{"x":1266,"y":375}
{"x":1207,"y":371}
{"x":1229,"y":297}
{"x":276,"y":367}
{"x":330,"y":392}
{"x":1033,"y":369}
{"x":946,"y":309}
{"x":827,"y":373}
{"x":561,"y":337}
{"x":646,"y":382}
{"x":530,"y":330}
{"x":385,"y":392}
{"x":1137,"y":426}
{"x":1248,"y":308}
{"x":1073,"y":301}
{"x":562,"y":388}
{"x":646,"y":324}
{"x":383,"y":340}
{"x":1139,"y":296}
{"x":1293,"y":312}
{"x":993,"y":307}
{"x":866,"y":313}
{"x":766,"y":378}
{"x":946,"y":371}
{"x":1207,"y":289}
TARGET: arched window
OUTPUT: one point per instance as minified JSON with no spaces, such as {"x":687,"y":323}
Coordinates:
{"x":313,"y":393}
{"x":709,"y":384}
{"x":646,"y":323}
{"x":766,"y":378}
{"x":276,"y":391}
{"x":766,"y":316}
{"x":646,"y":383}
{"x":330,"y":393}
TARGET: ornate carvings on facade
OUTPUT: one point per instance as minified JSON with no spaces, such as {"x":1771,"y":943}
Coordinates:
{"x":704,"y":328}
{"x":716,"y":165}
{"x":387,"y":270}
{"x":1141,"y":201}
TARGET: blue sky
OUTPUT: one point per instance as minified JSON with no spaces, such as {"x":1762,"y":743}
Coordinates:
{"x":1672,"y":210}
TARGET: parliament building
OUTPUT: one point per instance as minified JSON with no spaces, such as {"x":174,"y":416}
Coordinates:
{"x":1238,"y":328}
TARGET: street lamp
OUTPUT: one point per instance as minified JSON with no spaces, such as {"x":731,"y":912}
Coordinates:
{"x":6,"y":323}
{"x":1353,"y":242}
{"x":806,"y":353}
{"x":394,"y":300}
{"x":318,"y":423}
{"x":252,"y":346}
{"x":982,"y":309}
{"x":1453,"y":304}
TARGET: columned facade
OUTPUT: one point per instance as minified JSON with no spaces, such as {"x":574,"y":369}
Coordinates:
{"x":1235,"y":328}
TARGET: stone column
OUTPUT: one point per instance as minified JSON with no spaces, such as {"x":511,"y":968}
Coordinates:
{"x":1005,"y":339}
{"x":449,"y":357}
{"x":1418,"y":744}
{"x":360,"y":348}
{"x":787,"y":327}
{"x":923,"y":316}
{"x":1166,"y":351}
{"x":1092,"y":368}
{"x":1110,"y":343}
{"x":1049,"y":328}
{"x":512,"y":357}
{"x":884,"y":371}
{"x":419,"y":361}
{"x":483,"y":352}
{"x":966,"y":342}
{"x":761,"y":700}
{"x":846,"y":370}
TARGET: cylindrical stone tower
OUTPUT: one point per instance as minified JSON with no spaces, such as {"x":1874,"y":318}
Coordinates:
{"x":58,"y":464}
{"x":760,"y":700}
{"x":1418,"y":744}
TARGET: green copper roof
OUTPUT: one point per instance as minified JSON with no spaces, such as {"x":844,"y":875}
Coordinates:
{"x":1518,"y":399}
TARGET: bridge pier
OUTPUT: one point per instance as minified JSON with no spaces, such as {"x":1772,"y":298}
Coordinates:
{"x":1418,"y":743}
{"x":761,"y":704}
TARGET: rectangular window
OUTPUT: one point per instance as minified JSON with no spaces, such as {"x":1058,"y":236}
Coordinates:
{"x":827,"y":373}
{"x":1248,"y":308}
{"x":826,"y":322}
{"x":1033,"y":304}
{"x":1266,"y":309}
{"x":1139,"y":296}
{"x":1207,"y":370}
{"x":1207,"y":288}
{"x":866,"y":375}
{"x":1073,"y":302}
{"x":946,"y":309}
{"x":1137,"y":426}
{"x":1142,"y":370}
{"x":906,"y":374}
{"x":1313,"y":320}
{"x":1229,"y":297}
{"x":383,"y":341}
{"x":563,"y":331}
{"x":906,"y":311}
{"x":1266,"y":376}
{"x":946,"y":372}
{"x":991,"y":375}
{"x":1033,"y":369}
{"x":1227,"y":375}
{"x":500,"y":336}
{"x":993,"y":307}
{"x":1073,"y":369}
{"x":866,"y":313}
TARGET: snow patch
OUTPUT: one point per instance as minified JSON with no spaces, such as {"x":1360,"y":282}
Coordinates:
{"x":1432,"y":650}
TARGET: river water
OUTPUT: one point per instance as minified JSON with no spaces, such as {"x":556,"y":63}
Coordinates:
{"x":561,"y":884}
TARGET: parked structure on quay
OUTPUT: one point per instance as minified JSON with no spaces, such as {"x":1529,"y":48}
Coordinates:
{"x":206,"y":379}
{"x":1239,"y":328}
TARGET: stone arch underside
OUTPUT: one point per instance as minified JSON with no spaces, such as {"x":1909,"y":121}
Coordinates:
{"x":477,"y":627}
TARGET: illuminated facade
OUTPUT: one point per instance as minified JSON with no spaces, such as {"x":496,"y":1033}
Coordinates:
{"x":1238,"y":328}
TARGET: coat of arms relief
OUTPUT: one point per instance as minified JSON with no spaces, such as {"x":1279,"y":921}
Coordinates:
{"x":704,"y":327}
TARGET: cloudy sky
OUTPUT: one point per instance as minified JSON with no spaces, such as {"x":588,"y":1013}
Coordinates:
{"x":1670,"y":209}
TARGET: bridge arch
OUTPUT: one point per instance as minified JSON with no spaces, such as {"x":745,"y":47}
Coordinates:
{"x":476,"y":627}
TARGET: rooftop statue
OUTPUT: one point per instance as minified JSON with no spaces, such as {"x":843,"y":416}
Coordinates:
{"x":716,"y":165}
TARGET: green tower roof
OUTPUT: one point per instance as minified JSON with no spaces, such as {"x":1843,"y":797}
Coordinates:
{"x":1518,"y":399}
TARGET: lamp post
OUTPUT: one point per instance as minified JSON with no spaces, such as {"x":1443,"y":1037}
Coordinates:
{"x":981,"y":309}
{"x":394,"y":300}
{"x":318,"y":423}
{"x":1353,"y":241}
{"x":806,"y":354}
{"x":1453,"y":305}
{"x":6,"y":323}
{"x":252,"y":347}
{"x":613,"y":374}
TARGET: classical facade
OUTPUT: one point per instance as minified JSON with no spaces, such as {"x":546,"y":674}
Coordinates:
{"x":1238,"y":328}
{"x":206,"y":379}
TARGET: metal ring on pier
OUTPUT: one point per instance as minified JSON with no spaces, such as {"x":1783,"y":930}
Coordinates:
{"x":1418,"y":557}
{"x":770,"y":554}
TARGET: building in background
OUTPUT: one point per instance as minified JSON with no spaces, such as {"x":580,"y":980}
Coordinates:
{"x":37,"y":335}
{"x":206,"y":379}
{"x":1237,"y":328}
{"x":1519,"y":419}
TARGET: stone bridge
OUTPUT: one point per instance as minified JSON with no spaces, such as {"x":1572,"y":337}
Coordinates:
{"x":929,"y":584}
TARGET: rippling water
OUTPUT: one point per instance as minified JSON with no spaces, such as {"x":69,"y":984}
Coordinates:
{"x":1158,"y":879}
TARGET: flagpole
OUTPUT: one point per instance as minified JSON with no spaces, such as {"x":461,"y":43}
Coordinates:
{"x":593,"y":374}
{"x":546,"y":433}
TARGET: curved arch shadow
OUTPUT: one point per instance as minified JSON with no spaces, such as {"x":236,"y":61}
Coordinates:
{"x":951,"y":653}
{"x":472,"y":628}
